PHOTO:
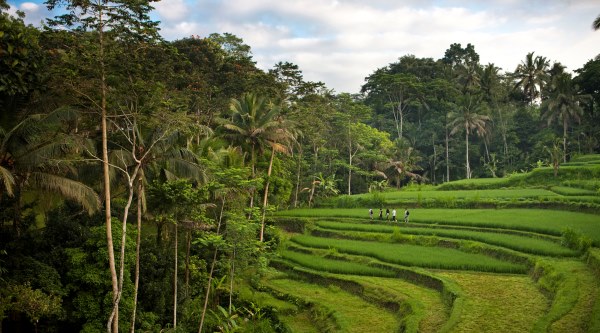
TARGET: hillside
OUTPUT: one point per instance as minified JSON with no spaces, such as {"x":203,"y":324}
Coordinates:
{"x":451,"y":268}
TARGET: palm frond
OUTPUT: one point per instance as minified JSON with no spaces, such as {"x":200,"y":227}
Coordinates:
{"x":8,"y":180}
{"x":66,"y":187}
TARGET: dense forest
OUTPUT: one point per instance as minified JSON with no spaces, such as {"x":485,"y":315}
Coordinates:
{"x":137,"y":174}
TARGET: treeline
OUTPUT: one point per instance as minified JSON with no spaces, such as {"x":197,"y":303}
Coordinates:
{"x":137,"y":174}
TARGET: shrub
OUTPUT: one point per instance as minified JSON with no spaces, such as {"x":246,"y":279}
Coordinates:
{"x":575,"y":240}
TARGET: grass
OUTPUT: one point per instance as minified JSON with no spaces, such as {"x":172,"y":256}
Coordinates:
{"x":514,"y":242}
{"x":351,"y":313}
{"x":464,"y":194}
{"x":430,"y":311}
{"x":497,"y":303}
{"x":413,"y":255}
{"x":551,"y":222}
{"x":334,"y":266}
{"x":572,"y":191}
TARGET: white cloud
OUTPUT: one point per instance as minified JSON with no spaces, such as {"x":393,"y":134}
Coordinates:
{"x":172,"y":10}
{"x":339,"y":42}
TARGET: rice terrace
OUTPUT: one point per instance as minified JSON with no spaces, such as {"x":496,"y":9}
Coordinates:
{"x":518,"y":254}
{"x":300,"y":166}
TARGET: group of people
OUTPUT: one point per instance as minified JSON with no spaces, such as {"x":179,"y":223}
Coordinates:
{"x":387,"y":214}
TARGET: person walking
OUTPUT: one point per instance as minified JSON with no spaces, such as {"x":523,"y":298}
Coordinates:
{"x":406,"y":213}
{"x":394,"y":214}
{"x":387,"y":214}
{"x":371,"y":213}
{"x":380,"y":213}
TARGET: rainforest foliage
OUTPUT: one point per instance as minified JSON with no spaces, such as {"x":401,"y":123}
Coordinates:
{"x":137,"y":174}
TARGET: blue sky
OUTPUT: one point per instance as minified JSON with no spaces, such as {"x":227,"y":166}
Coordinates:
{"x":340,"y":42}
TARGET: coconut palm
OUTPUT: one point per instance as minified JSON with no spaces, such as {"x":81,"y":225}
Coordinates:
{"x":469,"y":120}
{"x":531,"y":76}
{"x":404,"y":164}
{"x":38,"y":155}
{"x":563,"y":104}
{"x":596,"y":24}
{"x":256,"y":124}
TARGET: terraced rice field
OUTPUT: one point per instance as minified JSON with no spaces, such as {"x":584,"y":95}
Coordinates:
{"x":457,"y":270}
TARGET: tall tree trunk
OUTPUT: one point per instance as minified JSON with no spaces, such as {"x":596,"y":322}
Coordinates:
{"x":266,"y":196}
{"x":313,"y":184}
{"x":138,"y":242}
{"x":565,"y":125}
{"x":175,"y":281}
{"x":447,"y":156}
{"x":231,"y":278}
{"x":212,"y":270}
{"x":298,"y":178}
{"x":467,"y":154}
{"x":433,"y":171}
{"x":349,"y":162}
{"x":113,"y":321}
{"x":253,"y":162}
{"x":188,"y":247}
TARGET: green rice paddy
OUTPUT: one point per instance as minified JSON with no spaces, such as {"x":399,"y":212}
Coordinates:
{"x":413,"y":255}
{"x":453,"y":269}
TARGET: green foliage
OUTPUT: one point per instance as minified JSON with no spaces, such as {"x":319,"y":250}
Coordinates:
{"x":21,"y":58}
{"x":34,"y":303}
{"x":575,"y":240}
{"x":333,"y":265}
{"x":528,"y":243}
{"x":402,"y":254}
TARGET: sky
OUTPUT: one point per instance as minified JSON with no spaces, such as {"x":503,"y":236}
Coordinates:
{"x":341,"y":42}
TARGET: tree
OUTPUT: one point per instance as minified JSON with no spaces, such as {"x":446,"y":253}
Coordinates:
{"x":20,"y":64}
{"x":555,"y":155}
{"x":38,"y":154}
{"x":531,"y":76}
{"x":398,"y":90}
{"x":596,"y":24}
{"x":256,"y":124}
{"x":280,"y":141}
{"x":403,"y":163}
{"x":468,"y":119}
{"x":456,"y":55}
{"x":563,"y":104}
{"x":117,"y":21}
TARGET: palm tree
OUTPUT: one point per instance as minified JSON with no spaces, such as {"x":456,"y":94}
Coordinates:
{"x":37,"y":154}
{"x":404,"y":164}
{"x":256,"y":124}
{"x":468,"y":120}
{"x":531,"y":76}
{"x":596,"y":24}
{"x":280,"y":141}
{"x":563,"y":104}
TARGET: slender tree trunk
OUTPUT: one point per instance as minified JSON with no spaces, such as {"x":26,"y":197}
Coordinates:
{"x":565,"y":125}
{"x":175,"y":281}
{"x":231,"y":279}
{"x":137,"y":254}
{"x":212,"y":270}
{"x":349,"y":162}
{"x":447,"y":157}
{"x":113,"y":321}
{"x":253,"y":162}
{"x":433,"y":171}
{"x":467,"y":154}
{"x":187,"y":261}
{"x":297,"y":180}
{"x":266,"y":196}
{"x":313,"y":184}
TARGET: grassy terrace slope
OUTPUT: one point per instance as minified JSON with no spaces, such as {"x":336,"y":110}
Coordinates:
{"x":458,"y":266}
{"x":551,"y":222}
